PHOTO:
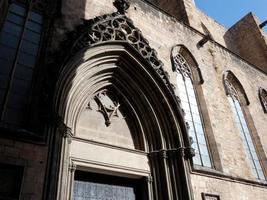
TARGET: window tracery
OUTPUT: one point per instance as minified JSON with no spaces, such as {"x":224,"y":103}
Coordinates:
{"x":231,"y":89}
{"x":236,"y":96}
{"x":190,"y":106}
{"x":182,"y":66}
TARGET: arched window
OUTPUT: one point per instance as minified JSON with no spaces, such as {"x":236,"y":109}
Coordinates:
{"x":187,"y":73}
{"x":263,"y":99}
{"x":19,"y":44}
{"x":238,"y":100}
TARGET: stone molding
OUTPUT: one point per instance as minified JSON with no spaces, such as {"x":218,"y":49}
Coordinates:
{"x":185,"y":152}
{"x":234,"y":88}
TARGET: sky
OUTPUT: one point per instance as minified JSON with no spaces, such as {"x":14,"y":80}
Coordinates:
{"x":228,"y":12}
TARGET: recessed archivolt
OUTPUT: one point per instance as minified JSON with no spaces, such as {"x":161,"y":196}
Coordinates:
{"x":100,"y":68}
{"x":118,"y":67}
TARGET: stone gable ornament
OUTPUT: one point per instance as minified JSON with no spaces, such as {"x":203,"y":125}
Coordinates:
{"x":114,"y":27}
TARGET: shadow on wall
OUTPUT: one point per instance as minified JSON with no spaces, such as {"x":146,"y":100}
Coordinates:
{"x":246,"y":33}
{"x":230,"y":42}
{"x":71,"y":14}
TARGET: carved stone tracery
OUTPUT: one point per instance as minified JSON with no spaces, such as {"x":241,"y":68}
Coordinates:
{"x":231,"y":90}
{"x":234,"y":89}
{"x":182,"y":66}
{"x":115,"y":27}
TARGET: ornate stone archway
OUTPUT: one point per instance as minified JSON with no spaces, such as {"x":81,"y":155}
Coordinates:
{"x":110,"y":54}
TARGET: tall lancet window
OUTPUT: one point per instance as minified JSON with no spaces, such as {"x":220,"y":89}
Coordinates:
{"x":238,"y":100}
{"x":19,"y":45}
{"x":190,"y":105}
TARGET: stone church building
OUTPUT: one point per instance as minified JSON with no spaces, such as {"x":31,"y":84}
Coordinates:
{"x":130,"y":100}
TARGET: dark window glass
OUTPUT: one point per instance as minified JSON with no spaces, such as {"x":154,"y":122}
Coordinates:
{"x":9,"y":40}
{"x":10,"y":181}
{"x":7,"y":53}
{"x":26,"y":59}
{"x":16,"y":19}
{"x":19,"y":44}
{"x":12,"y":28}
{"x":5,"y":67}
{"x":32,"y":36}
{"x":36,"y":17}
{"x":29,"y":48}
{"x":17,"y":9}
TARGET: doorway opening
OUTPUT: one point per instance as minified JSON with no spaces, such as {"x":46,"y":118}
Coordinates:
{"x":92,"y":186}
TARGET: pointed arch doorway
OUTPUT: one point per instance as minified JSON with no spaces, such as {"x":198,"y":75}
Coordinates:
{"x":120,"y":119}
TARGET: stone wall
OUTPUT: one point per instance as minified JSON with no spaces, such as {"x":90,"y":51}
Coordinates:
{"x":33,"y":159}
{"x":220,"y":187}
{"x":197,"y":19}
{"x":250,"y":40}
{"x":163,"y":32}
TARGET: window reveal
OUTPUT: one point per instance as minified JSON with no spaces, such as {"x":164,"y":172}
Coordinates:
{"x":192,"y":115}
{"x":241,"y":123}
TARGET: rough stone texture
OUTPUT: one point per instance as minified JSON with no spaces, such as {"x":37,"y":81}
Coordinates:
{"x":197,"y":18}
{"x":116,"y":133}
{"x":175,"y":8}
{"x":33,"y":159}
{"x":250,"y":40}
{"x":239,"y":191}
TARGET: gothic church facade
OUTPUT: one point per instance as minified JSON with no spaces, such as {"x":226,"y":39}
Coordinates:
{"x":130,"y":100}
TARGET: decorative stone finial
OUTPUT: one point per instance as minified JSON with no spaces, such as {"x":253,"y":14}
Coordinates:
{"x":121,"y":5}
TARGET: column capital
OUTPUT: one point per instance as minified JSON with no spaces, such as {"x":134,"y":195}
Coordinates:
{"x":72,"y":167}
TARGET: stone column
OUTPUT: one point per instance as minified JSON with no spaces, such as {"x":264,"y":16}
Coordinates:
{"x":72,"y":169}
{"x":161,"y":176}
{"x":63,"y":184}
{"x":149,"y":181}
